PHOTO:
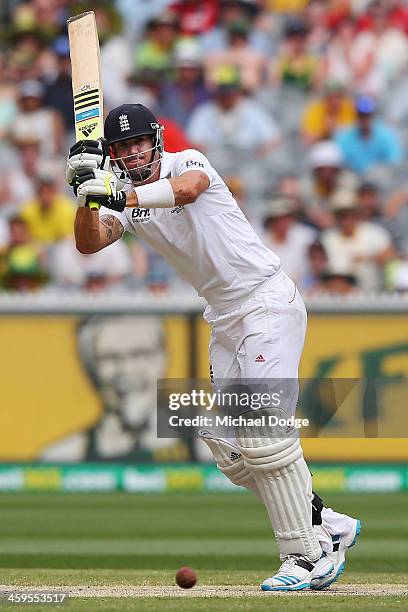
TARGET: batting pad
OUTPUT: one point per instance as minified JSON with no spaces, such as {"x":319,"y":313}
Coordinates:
{"x":229,"y":461}
{"x":285,"y":485}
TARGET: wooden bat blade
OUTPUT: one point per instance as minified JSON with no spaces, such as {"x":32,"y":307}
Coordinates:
{"x":86,"y":76}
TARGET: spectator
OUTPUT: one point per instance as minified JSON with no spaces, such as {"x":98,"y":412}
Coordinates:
{"x":368,"y":142}
{"x":8,"y":93}
{"x":47,"y":15}
{"x":316,"y":18}
{"x":145,"y":87}
{"x":156,"y":50}
{"x":287,"y":6}
{"x":50,"y":216}
{"x":37,"y":122}
{"x":148,"y":89}
{"x":231,"y":11}
{"x":358,"y":247}
{"x":396,"y":106}
{"x":396,"y":15}
{"x":371,"y":207}
{"x":249,"y":63}
{"x":136,"y":14}
{"x":327,"y":175}
{"x":4,"y":233}
{"x":396,"y":213}
{"x":337,"y":282}
{"x":22,"y":265}
{"x":28,"y":55}
{"x":19,"y":180}
{"x":288,"y":238}
{"x":311,"y":281}
{"x":196,"y":17}
{"x":289,"y":185}
{"x":327,"y":113}
{"x":295,"y":66}
{"x":104,"y":269}
{"x":380,"y":51}
{"x":339,"y":61}
{"x":117,"y":65}
{"x":58,"y":88}
{"x":397,"y":276}
{"x":236,"y":124}
{"x":180,"y":97}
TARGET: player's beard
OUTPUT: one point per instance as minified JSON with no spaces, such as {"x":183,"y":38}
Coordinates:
{"x":139,"y":176}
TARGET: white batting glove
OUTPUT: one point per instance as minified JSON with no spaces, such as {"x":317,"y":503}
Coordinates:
{"x":99,"y":187}
{"x":87,"y":154}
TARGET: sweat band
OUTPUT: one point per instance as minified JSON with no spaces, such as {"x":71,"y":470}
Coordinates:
{"x":159,"y":194}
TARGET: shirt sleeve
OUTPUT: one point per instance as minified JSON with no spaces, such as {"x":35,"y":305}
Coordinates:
{"x":190,"y":159}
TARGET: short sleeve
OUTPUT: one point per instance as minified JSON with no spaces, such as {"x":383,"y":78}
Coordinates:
{"x":378,"y":238}
{"x":119,"y":215}
{"x":190,"y":159}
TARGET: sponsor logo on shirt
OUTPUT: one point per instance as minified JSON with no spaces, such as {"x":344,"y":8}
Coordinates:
{"x":140,"y":215}
{"x":177,"y":210}
{"x":194,"y":163}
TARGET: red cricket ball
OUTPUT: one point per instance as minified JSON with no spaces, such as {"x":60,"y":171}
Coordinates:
{"x":186,"y":577}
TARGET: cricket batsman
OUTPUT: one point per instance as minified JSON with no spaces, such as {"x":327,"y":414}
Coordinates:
{"x":179,"y":204}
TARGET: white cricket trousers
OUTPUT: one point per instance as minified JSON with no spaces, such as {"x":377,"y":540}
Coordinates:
{"x":263,"y":339}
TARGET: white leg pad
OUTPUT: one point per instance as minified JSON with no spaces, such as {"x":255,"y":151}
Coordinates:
{"x":285,"y":485}
{"x":229,"y":461}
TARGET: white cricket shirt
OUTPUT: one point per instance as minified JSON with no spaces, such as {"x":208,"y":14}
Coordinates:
{"x":209,"y":242}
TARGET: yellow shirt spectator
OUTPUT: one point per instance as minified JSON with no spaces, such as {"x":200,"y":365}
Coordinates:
{"x":322,"y":117}
{"x":286,"y":6}
{"x":50,"y":216}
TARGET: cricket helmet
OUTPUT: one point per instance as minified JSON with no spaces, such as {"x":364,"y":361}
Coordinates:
{"x":132,"y":121}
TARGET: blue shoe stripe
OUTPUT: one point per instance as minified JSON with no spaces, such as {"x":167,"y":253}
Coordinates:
{"x":299,"y":587}
{"x":336,"y":537}
{"x":285,"y":580}
{"x":295,"y":578}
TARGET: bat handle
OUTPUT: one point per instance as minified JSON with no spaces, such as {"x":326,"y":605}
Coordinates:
{"x":94,"y":205}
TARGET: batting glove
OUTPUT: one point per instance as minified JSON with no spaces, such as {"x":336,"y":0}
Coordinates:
{"x":87,"y":154}
{"x":99,"y":187}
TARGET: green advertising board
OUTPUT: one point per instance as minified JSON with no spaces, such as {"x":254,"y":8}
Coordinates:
{"x":88,"y":477}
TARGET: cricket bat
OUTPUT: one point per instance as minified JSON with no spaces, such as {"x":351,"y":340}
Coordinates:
{"x":86,"y":78}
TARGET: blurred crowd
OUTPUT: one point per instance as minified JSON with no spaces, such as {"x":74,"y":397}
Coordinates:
{"x":301,"y":106}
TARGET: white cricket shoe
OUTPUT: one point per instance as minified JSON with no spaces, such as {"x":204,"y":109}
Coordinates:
{"x":338,"y":557}
{"x":296,"y":573}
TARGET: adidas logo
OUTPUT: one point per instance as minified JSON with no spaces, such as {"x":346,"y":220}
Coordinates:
{"x":235,"y":456}
{"x":260,"y":359}
{"x":87,"y":131}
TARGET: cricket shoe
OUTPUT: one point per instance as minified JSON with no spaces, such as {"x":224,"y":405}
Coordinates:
{"x":338,"y":557}
{"x":296,"y":573}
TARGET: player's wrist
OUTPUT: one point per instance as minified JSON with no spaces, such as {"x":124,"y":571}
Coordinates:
{"x":131,"y":198}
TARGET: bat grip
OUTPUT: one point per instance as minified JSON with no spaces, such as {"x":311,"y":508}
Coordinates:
{"x":94,"y":205}
{"x":92,"y":202}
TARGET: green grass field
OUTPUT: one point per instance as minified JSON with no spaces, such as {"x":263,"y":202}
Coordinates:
{"x":122,"y":541}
